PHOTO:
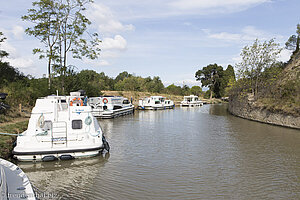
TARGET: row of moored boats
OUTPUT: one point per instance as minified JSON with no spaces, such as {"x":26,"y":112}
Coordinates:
{"x":66,"y":127}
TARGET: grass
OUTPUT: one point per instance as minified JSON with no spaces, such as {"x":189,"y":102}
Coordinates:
{"x":6,"y":142}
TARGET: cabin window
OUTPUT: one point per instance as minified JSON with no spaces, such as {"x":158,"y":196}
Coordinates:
{"x":126,"y":102}
{"x":47,"y":125}
{"x":157,"y":102}
{"x":77,"y":124}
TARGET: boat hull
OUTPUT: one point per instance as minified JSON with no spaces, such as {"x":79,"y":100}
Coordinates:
{"x":108,"y":114}
{"x":152,"y":107}
{"x":192,"y":105}
{"x":55,"y":154}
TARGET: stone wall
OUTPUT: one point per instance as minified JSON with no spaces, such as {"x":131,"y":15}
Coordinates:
{"x":246,"y":108}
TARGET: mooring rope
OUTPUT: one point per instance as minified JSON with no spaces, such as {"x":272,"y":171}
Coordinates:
{"x":12,"y":134}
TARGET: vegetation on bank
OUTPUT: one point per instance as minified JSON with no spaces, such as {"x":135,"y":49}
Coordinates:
{"x":6,"y":141}
{"x":273,"y":85}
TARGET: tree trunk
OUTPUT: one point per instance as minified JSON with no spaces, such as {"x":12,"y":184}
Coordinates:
{"x":211,"y":93}
{"x":297,"y":44}
{"x":49,"y":74}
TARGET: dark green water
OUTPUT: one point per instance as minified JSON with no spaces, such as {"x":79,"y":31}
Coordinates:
{"x":186,"y":153}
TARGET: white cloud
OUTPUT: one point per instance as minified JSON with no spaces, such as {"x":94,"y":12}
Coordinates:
{"x":226,"y":36}
{"x":246,"y":35}
{"x":215,"y":6}
{"x":105,"y":21}
{"x":21,"y":62}
{"x":103,"y":63}
{"x":285,"y":55}
{"x":116,"y":43}
{"x":18,"y":32}
{"x":9,"y":48}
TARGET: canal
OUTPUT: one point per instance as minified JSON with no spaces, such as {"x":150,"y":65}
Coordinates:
{"x":185,"y":153}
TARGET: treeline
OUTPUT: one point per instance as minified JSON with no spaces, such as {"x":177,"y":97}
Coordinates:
{"x":26,"y":89}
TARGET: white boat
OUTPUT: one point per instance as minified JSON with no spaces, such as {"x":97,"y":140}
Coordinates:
{"x":152,"y":103}
{"x":110,"y":106}
{"x":169,"y":104}
{"x":14,"y":184}
{"x":191,"y":101}
{"x":60,"y":127}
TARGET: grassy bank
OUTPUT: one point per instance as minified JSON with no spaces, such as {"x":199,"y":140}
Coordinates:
{"x":6,"y":142}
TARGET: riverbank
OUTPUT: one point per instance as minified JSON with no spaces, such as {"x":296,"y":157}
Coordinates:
{"x":7,"y":141}
{"x":246,"y":107}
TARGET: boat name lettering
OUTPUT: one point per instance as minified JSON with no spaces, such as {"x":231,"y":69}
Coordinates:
{"x":59,"y":139}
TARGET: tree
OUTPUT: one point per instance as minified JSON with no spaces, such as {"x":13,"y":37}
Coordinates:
{"x":2,"y":52}
{"x":210,"y":76}
{"x":257,"y":58}
{"x":228,"y":80}
{"x":173,"y":89}
{"x":122,"y":76}
{"x":293,"y":41}
{"x":196,"y":90}
{"x":46,"y":29}
{"x":60,"y":26}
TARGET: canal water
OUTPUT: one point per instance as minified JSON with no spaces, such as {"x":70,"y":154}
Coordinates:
{"x":185,"y":153}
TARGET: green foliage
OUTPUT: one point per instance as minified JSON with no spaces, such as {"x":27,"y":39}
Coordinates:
{"x":61,"y":26}
{"x":6,"y":142}
{"x":196,"y":90}
{"x":293,"y":41}
{"x":173,"y":89}
{"x":257,"y":58}
{"x":207,"y":94}
{"x":2,"y":52}
{"x":9,"y":74}
{"x":227,"y":81}
{"x":211,"y":76}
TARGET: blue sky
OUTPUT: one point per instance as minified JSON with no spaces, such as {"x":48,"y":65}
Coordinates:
{"x":167,"y":38}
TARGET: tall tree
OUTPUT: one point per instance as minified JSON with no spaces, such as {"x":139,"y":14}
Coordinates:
{"x":61,"y":26}
{"x":294,"y":41}
{"x":72,"y":35}
{"x":255,"y":59}
{"x":46,"y":29}
{"x":210,"y":76}
{"x":228,"y":80}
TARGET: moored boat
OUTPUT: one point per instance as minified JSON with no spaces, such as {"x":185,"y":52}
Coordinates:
{"x":152,"y":103}
{"x":14,"y":184}
{"x":110,"y":106}
{"x":191,"y":101}
{"x":60,"y":127}
{"x":169,"y":104}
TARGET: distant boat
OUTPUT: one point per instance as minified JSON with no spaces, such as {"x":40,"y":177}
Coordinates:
{"x":110,"y":106}
{"x":191,"y":101}
{"x":14,"y":184}
{"x":168,"y":104}
{"x":152,"y":103}
{"x":60,"y":127}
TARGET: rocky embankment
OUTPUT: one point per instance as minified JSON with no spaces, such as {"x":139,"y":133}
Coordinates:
{"x":246,"y":107}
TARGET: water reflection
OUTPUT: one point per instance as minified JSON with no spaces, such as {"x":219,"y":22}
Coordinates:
{"x":193,"y":153}
{"x":65,"y":179}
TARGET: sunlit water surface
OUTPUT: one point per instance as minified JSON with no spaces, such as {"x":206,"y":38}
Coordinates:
{"x":186,"y":153}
